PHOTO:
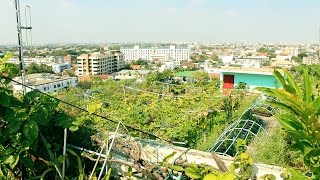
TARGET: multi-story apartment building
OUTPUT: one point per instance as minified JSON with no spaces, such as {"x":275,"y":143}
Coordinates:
{"x":28,"y":61}
{"x":311,"y":60}
{"x":151,"y":54}
{"x":44,"y":82}
{"x":292,"y":51}
{"x":100,"y":63}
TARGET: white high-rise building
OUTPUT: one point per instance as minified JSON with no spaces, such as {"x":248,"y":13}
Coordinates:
{"x":153,"y":54}
{"x":100,"y":63}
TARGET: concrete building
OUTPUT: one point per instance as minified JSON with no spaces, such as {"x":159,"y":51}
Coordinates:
{"x":311,"y":60}
{"x":292,"y":51}
{"x":59,"y":68}
{"x":152,"y":54}
{"x":247,"y":62}
{"x":170,"y":65}
{"x":130,"y":74}
{"x":284,"y":57}
{"x":283,"y":63}
{"x":44,"y":82}
{"x":252,"y":77}
{"x":37,"y":60}
{"x":100,"y":63}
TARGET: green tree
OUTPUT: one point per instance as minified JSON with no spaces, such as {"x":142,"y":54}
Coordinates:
{"x":214,"y":57}
{"x":30,"y":142}
{"x":241,"y":85}
{"x":297,"y":59}
{"x":139,"y":62}
{"x":201,"y":77}
{"x":302,"y":55}
{"x":263,"y":50}
{"x":35,"y":68}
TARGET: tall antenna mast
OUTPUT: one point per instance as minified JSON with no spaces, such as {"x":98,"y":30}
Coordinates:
{"x":319,"y":47}
{"x":21,"y":60}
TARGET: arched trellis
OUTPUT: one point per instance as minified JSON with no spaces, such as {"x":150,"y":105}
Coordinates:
{"x":262,"y":102}
{"x":247,"y":127}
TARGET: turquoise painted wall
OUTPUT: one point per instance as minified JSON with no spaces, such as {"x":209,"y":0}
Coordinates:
{"x":255,"y":79}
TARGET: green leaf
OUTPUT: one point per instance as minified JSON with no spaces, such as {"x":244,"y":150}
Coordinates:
{"x":288,"y":123}
{"x":292,"y":83}
{"x":30,"y":130}
{"x":73,"y":128}
{"x":40,"y":115}
{"x":210,"y":177}
{"x":307,"y":86}
{"x":282,"y":80}
{"x":12,"y":161}
{"x":176,"y":168}
{"x":316,"y":104}
{"x":229,"y":176}
{"x":108,"y":176}
{"x":166,"y":159}
{"x":80,"y":168}
{"x":4,"y":99}
{"x":27,"y":162}
{"x":299,"y":178}
{"x":312,"y":159}
{"x":94,"y":107}
{"x":192,"y":173}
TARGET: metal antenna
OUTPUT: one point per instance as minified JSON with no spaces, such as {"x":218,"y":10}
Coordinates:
{"x":19,"y":28}
{"x":28,"y":9}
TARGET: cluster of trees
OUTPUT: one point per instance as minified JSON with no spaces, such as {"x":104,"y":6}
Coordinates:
{"x":271,"y":52}
{"x":202,"y":57}
{"x":299,"y":58}
{"x":139,"y":62}
{"x":38,"y":68}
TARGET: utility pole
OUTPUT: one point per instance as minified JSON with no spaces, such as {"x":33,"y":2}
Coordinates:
{"x":21,"y":60}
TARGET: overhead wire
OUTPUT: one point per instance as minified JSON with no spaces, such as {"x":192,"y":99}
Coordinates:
{"x":85,"y":110}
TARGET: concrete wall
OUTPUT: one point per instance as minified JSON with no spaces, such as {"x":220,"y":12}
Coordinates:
{"x":155,"y":152}
{"x":254,"y":80}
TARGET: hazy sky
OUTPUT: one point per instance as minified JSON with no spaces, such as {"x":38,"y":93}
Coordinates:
{"x":64,"y":21}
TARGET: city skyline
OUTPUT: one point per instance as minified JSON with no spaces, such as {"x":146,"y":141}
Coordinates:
{"x":71,"y":21}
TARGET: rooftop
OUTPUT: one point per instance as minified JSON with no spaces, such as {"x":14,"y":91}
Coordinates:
{"x":143,"y":72}
{"x":247,"y":70}
{"x":42,"y":78}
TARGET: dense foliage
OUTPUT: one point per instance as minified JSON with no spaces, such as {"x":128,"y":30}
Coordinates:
{"x":176,"y":112}
{"x":31,"y":132}
{"x":38,"y":68}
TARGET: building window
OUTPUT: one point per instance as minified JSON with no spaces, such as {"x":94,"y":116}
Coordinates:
{"x":54,"y":86}
{"x":44,"y":88}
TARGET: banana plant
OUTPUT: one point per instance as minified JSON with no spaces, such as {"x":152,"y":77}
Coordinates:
{"x":301,"y":116}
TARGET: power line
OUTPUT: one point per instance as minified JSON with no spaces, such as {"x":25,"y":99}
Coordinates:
{"x":84,"y":110}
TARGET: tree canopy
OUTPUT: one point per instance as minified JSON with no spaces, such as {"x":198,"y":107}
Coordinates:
{"x":36,"y":68}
